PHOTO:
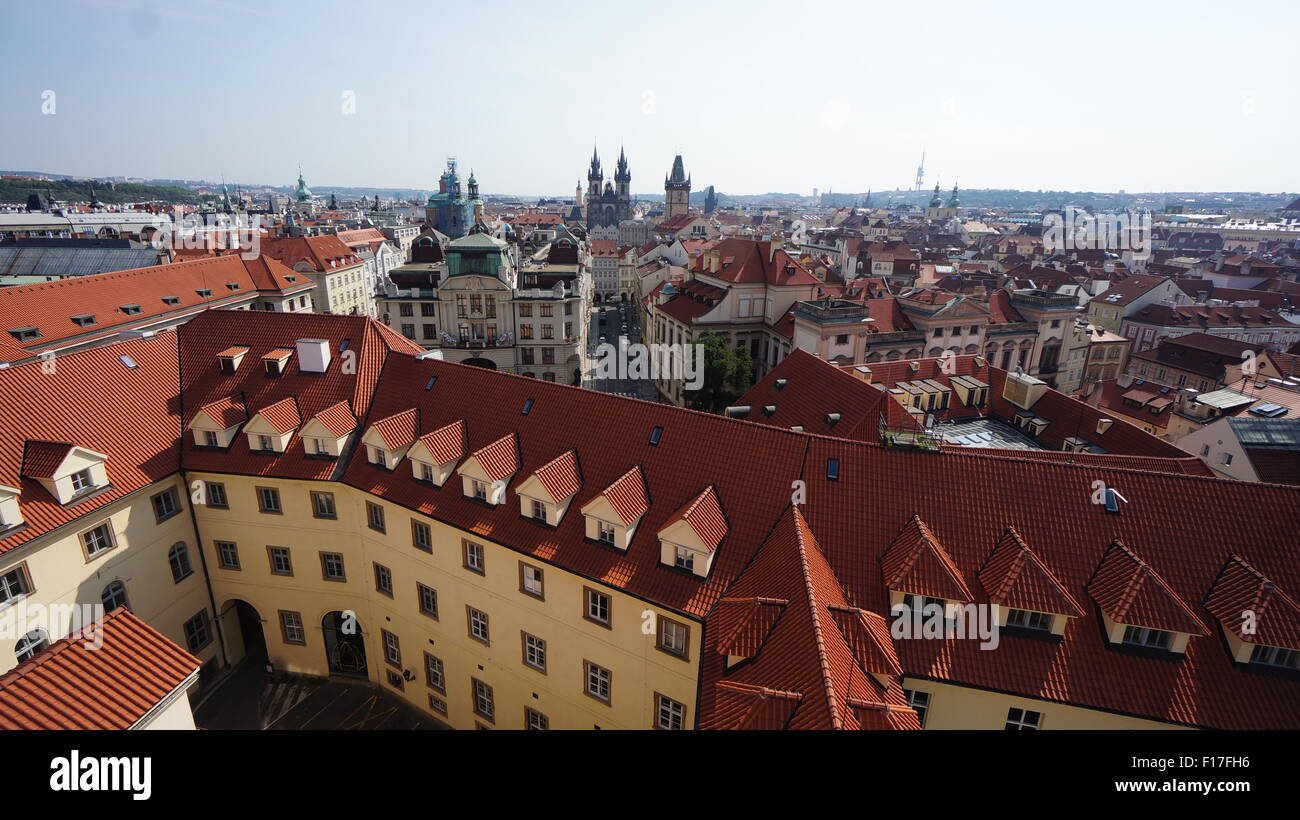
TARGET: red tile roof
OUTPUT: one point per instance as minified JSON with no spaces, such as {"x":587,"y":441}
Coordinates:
{"x":42,"y":458}
{"x":500,"y":459}
{"x":917,"y":563}
{"x":1274,"y":616}
{"x":627,"y":495}
{"x":561,"y":476}
{"x":1130,"y":592}
{"x":447,"y":443}
{"x":322,"y":253}
{"x":75,"y":684}
{"x":704,"y":516}
{"x":1016,"y":577}
{"x":337,"y":419}
{"x":398,"y":430}
{"x":282,"y":415}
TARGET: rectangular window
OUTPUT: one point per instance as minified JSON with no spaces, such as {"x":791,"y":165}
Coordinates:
{"x":291,"y":628}
{"x":920,"y":703}
{"x":210,"y":439}
{"x":421,"y":536}
{"x":82,"y":481}
{"x":428,"y":600}
{"x":480,"y":490}
{"x":375,"y":517}
{"x":478,"y":624}
{"x":1275,"y":656}
{"x":165,"y":504}
{"x":322,"y":505}
{"x":13,"y":585}
{"x":437,"y":704}
{"x":392,"y":649}
{"x":1142,"y":636}
{"x":606,"y":532}
{"x":526,"y":309}
{"x":598,"y":681}
{"x":227,"y":555}
{"x":1029,"y":620}
{"x":383,"y":580}
{"x":535,"y":721}
{"x":1023,"y":720}
{"x":484,"y":704}
{"x":98,"y":540}
{"x":179,"y":559}
{"x":198,"y":631}
{"x":435,"y":676}
{"x":268,"y":500}
{"x":534,"y":652}
{"x":597,"y":607}
{"x":280,"y":562}
{"x":216,"y":495}
{"x":539,"y":511}
{"x":530,"y":580}
{"x":685,"y":559}
{"x":332,"y":566}
{"x":473,"y":555}
{"x":674,"y":637}
{"x":669,"y":714}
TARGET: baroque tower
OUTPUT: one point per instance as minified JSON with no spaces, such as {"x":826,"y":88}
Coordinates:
{"x":677,"y":190}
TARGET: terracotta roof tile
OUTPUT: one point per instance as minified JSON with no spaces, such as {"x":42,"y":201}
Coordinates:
{"x":705,"y":517}
{"x":1016,"y":577}
{"x":447,"y":443}
{"x":917,"y":563}
{"x":1129,"y":591}
{"x":1240,"y":588}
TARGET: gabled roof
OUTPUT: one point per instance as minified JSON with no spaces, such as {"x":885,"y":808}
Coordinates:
{"x":1129,"y":591}
{"x":77,"y":684}
{"x":447,"y":443}
{"x":561,"y":476}
{"x":226,"y":411}
{"x":42,"y":458}
{"x":1241,"y":589}
{"x":627,"y":495}
{"x":282,"y":415}
{"x":808,"y":672}
{"x":917,"y":563}
{"x":398,"y":430}
{"x":1014,"y":576}
{"x":337,"y":419}
{"x":500,"y":459}
{"x":704,"y":516}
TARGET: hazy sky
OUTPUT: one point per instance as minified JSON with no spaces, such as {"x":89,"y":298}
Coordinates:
{"x":757,"y":96}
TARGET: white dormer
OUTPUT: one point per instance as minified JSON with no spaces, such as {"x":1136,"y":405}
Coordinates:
{"x":388,"y":440}
{"x":68,"y":472}
{"x":434,"y":455}
{"x":612,"y":516}
{"x":545,"y":495}
{"x":690,"y":539}
{"x":272,"y":427}
{"x":215,"y":424}
{"x":10,"y":515}
{"x":327,"y":433}
{"x":487,"y":471}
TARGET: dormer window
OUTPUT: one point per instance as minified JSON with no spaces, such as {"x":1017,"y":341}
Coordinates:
{"x":685,"y":559}
{"x":130,"y":310}
{"x":539,"y":511}
{"x":210,"y":438}
{"x":276,"y":362}
{"x":1026,"y":619}
{"x":82,"y":481}
{"x":377,"y":456}
{"x":480,"y":490}
{"x":486,"y":472}
{"x":203,"y":292}
{"x":605,"y":532}
{"x":84,"y":319}
{"x":1275,"y":656}
{"x":10,"y":514}
{"x":171,"y":300}
{"x":66,"y":471}
{"x":689,"y":540}
{"x":265,"y":444}
{"x":1142,"y":636}
{"x":25,"y":333}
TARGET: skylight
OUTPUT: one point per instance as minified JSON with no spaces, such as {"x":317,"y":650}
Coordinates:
{"x":432,"y":381}
{"x":654,"y":436}
{"x":528,"y":406}
{"x":128,"y":361}
{"x":833,"y":469}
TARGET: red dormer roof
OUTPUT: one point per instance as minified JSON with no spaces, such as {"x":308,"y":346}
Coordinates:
{"x":627,"y":495}
{"x":42,"y":458}
{"x":705,"y":517}
{"x":917,"y":563}
{"x":500,"y":459}
{"x":447,"y":443}
{"x":1241,"y":589}
{"x":1016,"y":577}
{"x":561,"y":476}
{"x":337,"y":419}
{"x":282,"y":415}
{"x":1129,"y":591}
{"x":227,"y":412}
{"x":398,"y":430}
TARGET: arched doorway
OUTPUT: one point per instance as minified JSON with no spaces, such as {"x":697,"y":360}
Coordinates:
{"x":345,"y":646}
{"x":250,"y":641}
{"x":479,"y":361}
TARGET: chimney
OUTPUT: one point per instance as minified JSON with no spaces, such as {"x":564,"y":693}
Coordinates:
{"x":313,"y":355}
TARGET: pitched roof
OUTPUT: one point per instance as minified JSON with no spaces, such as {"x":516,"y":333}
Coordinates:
{"x":447,"y":443}
{"x":42,"y":458}
{"x":1016,"y":577}
{"x":627,"y":495}
{"x":561,"y":476}
{"x":337,"y":419}
{"x":499,"y":459}
{"x":398,"y":430}
{"x":917,"y":563}
{"x":704,"y":515}
{"x":1129,"y":591}
{"x":282,"y":415}
{"x":77,"y":684}
{"x":1253,"y":607}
